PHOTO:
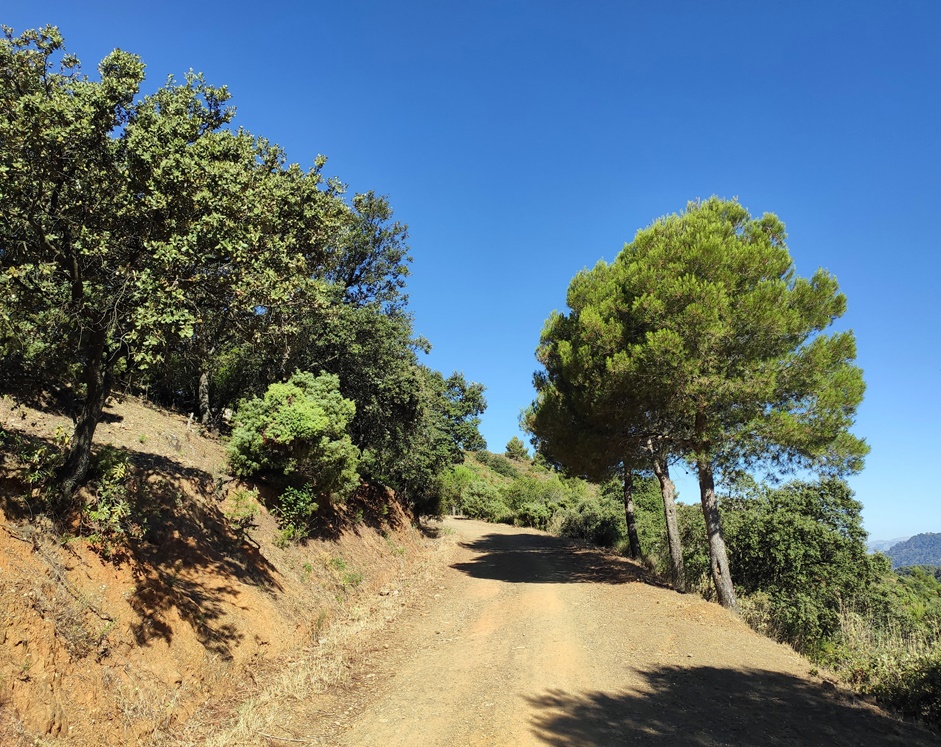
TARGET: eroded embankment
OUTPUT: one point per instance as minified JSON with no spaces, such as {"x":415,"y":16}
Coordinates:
{"x":165,"y":639}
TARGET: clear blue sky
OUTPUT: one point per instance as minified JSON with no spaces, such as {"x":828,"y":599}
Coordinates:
{"x":524,"y":140}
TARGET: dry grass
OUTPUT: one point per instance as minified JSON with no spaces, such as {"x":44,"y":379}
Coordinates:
{"x":311,"y":692}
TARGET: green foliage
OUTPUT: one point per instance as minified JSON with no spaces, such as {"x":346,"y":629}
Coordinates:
{"x":803,"y":546}
{"x":347,"y":577}
{"x":516,"y":449}
{"x":536,"y":501}
{"x":482,"y":501}
{"x":648,"y":512}
{"x":36,"y":460}
{"x":146,"y":239}
{"x":931,"y":570}
{"x":536,"y":514}
{"x":298,"y":428}
{"x":497,"y":462}
{"x":111,"y":516}
{"x":533,"y":496}
{"x":651,"y":529}
{"x":799,"y":556}
{"x":700,"y":341}
{"x":922,"y":549}
{"x":900,"y":667}
{"x":241,"y":512}
{"x":424,"y":439}
{"x":452,"y":483}
{"x":295,"y":510}
{"x":115,"y":212}
{"x":596,"y":520}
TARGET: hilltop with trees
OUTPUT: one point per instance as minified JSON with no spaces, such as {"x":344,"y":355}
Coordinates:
{"x":922,"y":549}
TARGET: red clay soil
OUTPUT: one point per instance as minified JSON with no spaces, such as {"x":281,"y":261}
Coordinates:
{"x":129,"y":648}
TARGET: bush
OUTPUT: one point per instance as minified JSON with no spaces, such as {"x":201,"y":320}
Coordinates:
{"x":451,"y":485}
{"x":910,"y":684}
{"x":109,"y":517}
{"x":298,"y":430}
{"x":901,"y":668}
{"x":536,"y":515}
{"x":596,"y":520}
{"x":296,"y":507}
{"x":804,"y":546}
{"x":482,"y":501}
{"x":497,"y":462}
{"x":241,"y":512}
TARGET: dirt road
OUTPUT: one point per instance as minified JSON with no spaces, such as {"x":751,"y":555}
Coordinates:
{"x":529,"y":640}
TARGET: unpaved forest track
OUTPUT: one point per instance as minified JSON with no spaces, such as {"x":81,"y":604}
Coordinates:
{"x":530,"y":640}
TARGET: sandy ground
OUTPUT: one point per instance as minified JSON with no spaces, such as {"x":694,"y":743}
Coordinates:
{"x":526,"y":639}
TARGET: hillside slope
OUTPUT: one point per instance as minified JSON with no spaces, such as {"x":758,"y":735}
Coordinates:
{"x":170,"y":633}
{"x":922,"y":549}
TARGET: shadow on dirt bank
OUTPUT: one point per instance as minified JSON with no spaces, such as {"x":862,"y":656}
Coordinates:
{"x":710,"y":706}
{"x":542,"y":559}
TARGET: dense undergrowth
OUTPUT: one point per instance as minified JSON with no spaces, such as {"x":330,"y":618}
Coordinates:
{"x":798,"y":556}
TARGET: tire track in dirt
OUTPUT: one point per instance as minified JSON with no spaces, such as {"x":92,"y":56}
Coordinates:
{"x":533,"y":640}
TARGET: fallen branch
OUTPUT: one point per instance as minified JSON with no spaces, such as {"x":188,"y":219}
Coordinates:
{"x":284,"y":739}
{"x":75,"y":593}
{"x":16,"y":535}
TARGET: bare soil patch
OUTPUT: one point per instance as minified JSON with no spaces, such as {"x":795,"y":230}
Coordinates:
{"x":532,"y":640}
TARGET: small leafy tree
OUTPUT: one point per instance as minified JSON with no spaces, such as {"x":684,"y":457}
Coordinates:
{"x":516,"y":449}
{"x":132,"y":223}
{"x":298,"y":430}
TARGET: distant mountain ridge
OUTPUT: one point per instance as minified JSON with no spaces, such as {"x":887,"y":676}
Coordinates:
{"x":884,"y":545}
{"x":922,"y":549}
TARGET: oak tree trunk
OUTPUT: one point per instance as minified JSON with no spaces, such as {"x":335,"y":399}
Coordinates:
{"x":718,"y":557}
{"x":668,"y":493}
{"x":97,"y":388}
{"x":629,"y":514}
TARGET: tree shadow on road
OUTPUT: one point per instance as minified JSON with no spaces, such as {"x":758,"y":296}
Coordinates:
{"x":712,"y":706}
{"x":542,"y":559}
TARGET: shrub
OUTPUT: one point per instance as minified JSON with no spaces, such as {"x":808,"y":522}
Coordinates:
{"x":497,"y":462}
{"x":295,"y":510}
{"x":911,"y":684}
{"x":298,"y":429}
{"x":482,"y":501}
{"x":536,"y":515}
{"x":242,"y":512}
{"x":596,"y":520}
{"x":452,"y":483}
{"x":901,"y":668}
{"x":109,"y":517}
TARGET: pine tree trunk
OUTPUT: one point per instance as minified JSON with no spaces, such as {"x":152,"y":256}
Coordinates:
{"x":629,"y":514}
{"x":718,"y":557}
{"x":668,"y":491}
{"x":97,"y":388}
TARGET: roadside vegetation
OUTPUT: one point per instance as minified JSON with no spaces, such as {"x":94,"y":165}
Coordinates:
{"x":150,"y":246}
